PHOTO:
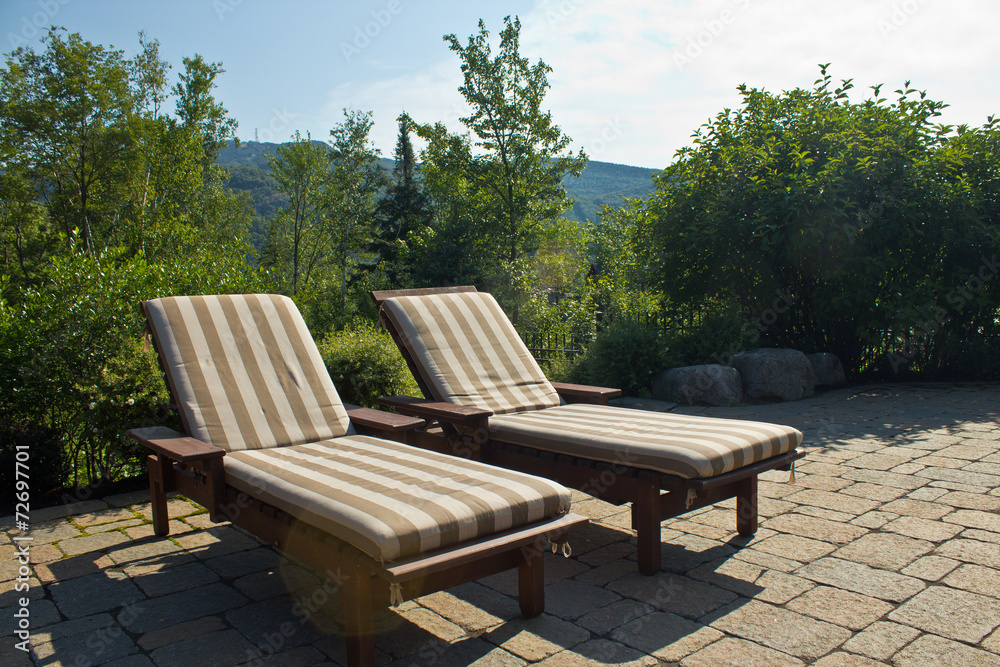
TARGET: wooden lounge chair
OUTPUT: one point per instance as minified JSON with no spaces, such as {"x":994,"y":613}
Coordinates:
{"x":269,"y":446}
{"x":487,"y":398}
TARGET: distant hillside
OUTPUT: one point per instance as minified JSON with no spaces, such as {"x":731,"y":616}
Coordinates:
{"x":600,"y":183}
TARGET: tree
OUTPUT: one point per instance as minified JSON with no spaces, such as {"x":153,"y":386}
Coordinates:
{"x":840,"y":226}
{"x":405,"y":207}
{"x":199,"y":111}
{"x":298,"y":238}
{"x":355,"y":181}
{"x":506,"y":172}
{"x":68,"y":109}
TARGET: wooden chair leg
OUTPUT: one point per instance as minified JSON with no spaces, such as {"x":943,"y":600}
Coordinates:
{"x":531,"y":582}
{"x":158,"y":494}
{"x":646,"y":521}
{"x":746,"y":506}
{"x":356,"y":609}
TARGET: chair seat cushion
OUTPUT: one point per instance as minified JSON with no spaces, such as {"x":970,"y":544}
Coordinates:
{"x":683,"y":445}
{"x":390,"y":500}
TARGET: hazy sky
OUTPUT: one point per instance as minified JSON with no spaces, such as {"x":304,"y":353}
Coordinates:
{"x":631,"y":80}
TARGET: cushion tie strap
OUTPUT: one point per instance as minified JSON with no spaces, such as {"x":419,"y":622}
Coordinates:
{"x":791,"y":473}
{"x":567,"y":550}
{"x":692,"y":494}
{"x":395,"y":595}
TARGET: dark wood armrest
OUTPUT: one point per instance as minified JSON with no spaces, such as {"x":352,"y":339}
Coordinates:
{"x":174,"y":445}
{"x":459,"y":415}
{"x":581,"y":393}
{"x":386,"y":422}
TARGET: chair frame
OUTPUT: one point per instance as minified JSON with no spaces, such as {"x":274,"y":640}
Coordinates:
{"x":655,"y":496}
{"x":196,"y":469}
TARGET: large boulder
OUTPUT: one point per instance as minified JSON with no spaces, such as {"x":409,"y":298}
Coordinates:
{"x":774,"y":374}
{"x":709,"y":383}
{"x":827,"y":369}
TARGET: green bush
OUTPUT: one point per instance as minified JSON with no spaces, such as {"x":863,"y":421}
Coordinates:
{"x":43,"y":457}
{"x":365,"y":363}
{"x":627,"y":354}
{"x":852,"y":227}
{"x":710,"y":341}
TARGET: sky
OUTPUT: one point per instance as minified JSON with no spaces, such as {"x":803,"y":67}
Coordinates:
{"x":631,"y":80}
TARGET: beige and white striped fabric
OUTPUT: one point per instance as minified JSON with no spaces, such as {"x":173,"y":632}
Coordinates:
{"x":245,"y":371}
{"x":469,"y":352}
{"x":683,"y":445}
{"x":390,"y":500}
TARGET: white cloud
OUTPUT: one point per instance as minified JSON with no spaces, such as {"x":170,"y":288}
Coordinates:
{"x":633,"y":79}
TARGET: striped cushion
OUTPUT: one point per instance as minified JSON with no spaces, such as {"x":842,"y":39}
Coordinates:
{"x":391,"y":500}
{"x":245,"y":371}
{"x":469,"y":353}
{"x":675,"y":444}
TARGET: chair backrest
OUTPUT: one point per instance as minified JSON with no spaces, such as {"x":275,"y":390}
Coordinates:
{"x":244,"y":371}
{"x":467,"y":351}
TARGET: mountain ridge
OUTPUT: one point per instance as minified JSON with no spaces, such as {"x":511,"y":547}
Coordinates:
{"x":600,"y":183}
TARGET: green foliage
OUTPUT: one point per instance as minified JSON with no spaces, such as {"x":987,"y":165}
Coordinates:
{"x":42,"y":456}
{"x":71,"y":359}
{"x":867,"y":214}
{"x":316,"y":243}
{"x":365,"y":363}
{"x":710,"y":340}
{"x":497,"y":185}
{"x":627,"y":354}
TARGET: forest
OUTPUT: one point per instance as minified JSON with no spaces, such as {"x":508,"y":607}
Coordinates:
{"x":878,"y":226}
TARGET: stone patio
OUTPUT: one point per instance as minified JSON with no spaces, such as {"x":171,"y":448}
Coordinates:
{"x":884,"y":550}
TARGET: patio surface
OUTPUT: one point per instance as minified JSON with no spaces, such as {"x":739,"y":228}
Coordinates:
{"x":884,"y":550}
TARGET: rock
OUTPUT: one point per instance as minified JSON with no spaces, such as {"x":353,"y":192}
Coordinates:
{"x":770,"y":374}
{"x":709,"y":383}
{"x":827,"y":369}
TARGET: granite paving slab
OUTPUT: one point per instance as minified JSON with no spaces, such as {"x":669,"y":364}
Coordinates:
{"x":884,"y":550}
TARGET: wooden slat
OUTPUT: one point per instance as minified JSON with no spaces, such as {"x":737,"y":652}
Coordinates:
{"x":522,"y":537}
{"x":379,"y":420}
{"x":446,"y":412}
{"x":174,"y":445}
{"x":586,"y":393}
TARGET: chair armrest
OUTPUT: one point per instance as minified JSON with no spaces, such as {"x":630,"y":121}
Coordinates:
{"x":379,"y":420}
{"x":175,"y":446}
{"x":581,"y":393}
{"x":449,"y":413}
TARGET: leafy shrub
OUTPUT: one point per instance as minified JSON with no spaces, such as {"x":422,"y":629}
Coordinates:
{"x":365,"y":363}
{"x":627,"y":354}
{"x":45,"y":465}
{"x":875,"y":221}
{"x":711,"y":341}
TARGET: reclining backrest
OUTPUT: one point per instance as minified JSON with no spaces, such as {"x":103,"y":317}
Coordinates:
{"x":468,"y":352}
{"x":244,"y":371}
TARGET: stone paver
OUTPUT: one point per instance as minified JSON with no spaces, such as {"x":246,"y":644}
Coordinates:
{"x":884,"y":551}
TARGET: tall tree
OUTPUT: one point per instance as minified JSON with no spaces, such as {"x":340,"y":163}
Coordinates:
{"x":198,"y":109}
{"x":68,"y":109}
{"x":515,"y":160}
{"x":298,"y":239}
{"x":405,"y":207}
{"x":355,"y":181}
